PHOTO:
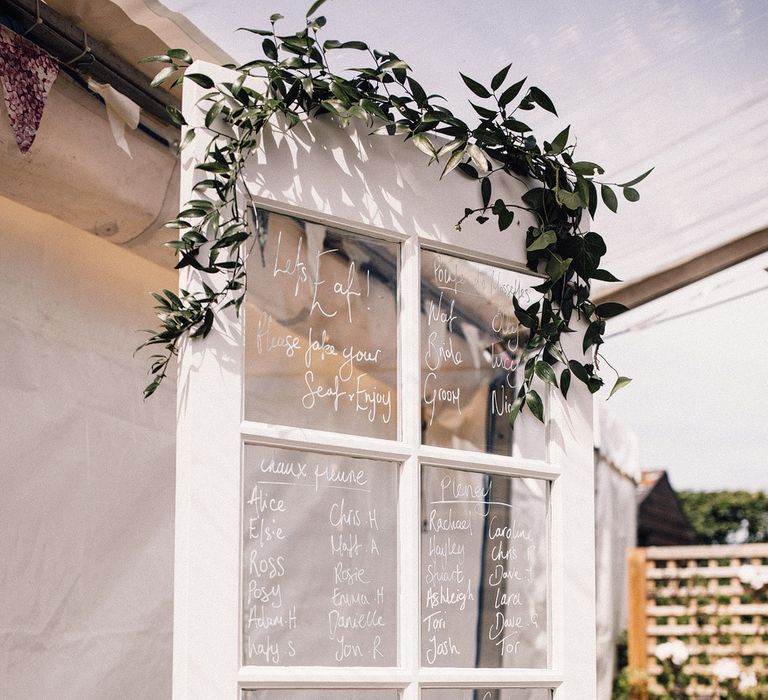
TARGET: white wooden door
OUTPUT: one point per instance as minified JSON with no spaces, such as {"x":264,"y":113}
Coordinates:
{"x":355,"y":518}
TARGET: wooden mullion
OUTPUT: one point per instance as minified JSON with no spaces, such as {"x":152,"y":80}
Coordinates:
{"x":638,"y":621}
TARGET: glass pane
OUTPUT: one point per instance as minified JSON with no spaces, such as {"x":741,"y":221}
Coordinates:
{"x":321,"y":329}
{"x":486,"y":694}
{"x":484,"y":553}
{"x":470,"y":347}
{"x":319,"y":559}
{"x":324,"y":694}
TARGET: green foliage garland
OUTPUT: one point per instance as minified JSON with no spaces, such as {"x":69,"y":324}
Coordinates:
{"x":298,"y":85}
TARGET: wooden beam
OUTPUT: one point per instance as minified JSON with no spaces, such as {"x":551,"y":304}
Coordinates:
{"x":687,"y":271}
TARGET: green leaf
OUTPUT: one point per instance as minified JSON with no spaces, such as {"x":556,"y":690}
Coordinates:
{"x":205,"y":184}
{"x":631,"y":194}
{"x":318,"y":22}
{"x":163,"y":75}
{"x":453,"y":161}
{"x":555,"y":351}
{"x":358,"y":112}
{"x":260,"y":32}
{"x":547,"y":238}
{"x":582,"y":187}
{"x":500,"y":77}
{"x":175,"y":115}
{"x":372,"y":108}
{"x":517,"y":406}
{"x":393,"y":64}
{"x":610,"y":309}
{"x":187,"y":139}
{"x":313,"y":8}
{"x":560,"y":141}
{"x":585,"y":167}
{"x":621,"y":382}
{"x":476,"y":87}
{"x":177,"y":223}
{"x":484,"y":112}
{"x":515,"y":125}
{"x":338,"y":90}
{"x":213,"y":112}
{"x":637,"y":179}
{"x":205,"y":327}
{"x":609,"y":198}
{"x":277,"y":16}
{"x":485,"y":190}
{"x":586,"y":250}
{"x":533,"y":400}
{"x":202,"y":80}
{"x":358,"y":45}
{"x":579,"y":371}
{"x":593,"y":335}
{"x":418,"y":92}
{"x":450,"y":147}
{"x":151,"y":388}
{"x":557,"y":266}
{"x":571,"y":200}
{"x":469,"y":170}
{"x":592,"y":197}
{"x":391,"y":129}
{"x":335,"y":107}
{"x":269,"y":48}
{"x":506,"y":217}
{"x":604,"y":276}
{"x":565,"y":382}
{"x":180,"y":55}
{"x":546,"y":373}
{"x":424,"y":145}
{"x":156,"y":59}
{"x":527,"y":319}
{"x":173,"y":297}
{"x":194,"y":212}
{"x":594,"y":384}
{"x":542,"y":99}
{"x":511,"y":93}
{"x":478,"y":157}
{"x":213,"y":168}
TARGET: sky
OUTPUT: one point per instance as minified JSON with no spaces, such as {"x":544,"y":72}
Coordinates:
{"x":679,"y":86}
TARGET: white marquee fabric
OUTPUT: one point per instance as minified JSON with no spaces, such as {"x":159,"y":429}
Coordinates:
{"x":86,"y":467}
{"x":617,"y":465}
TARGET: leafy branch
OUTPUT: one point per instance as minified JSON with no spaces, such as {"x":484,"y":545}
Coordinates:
{"x":296,"y":83}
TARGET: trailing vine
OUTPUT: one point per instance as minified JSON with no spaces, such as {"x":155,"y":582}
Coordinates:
{"x":296,"y":84}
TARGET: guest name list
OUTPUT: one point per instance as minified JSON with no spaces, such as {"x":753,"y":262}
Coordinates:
{"x":481,"y":601}
{"x":319,"y":559}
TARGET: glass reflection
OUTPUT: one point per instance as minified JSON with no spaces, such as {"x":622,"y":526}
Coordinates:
{"x":486,"y":694}
{"x":321,"y":694}
{"x":319,"y":559}
{"x":471,"y":343}
{"x":321,"y":329}
{"x":484,"y":553}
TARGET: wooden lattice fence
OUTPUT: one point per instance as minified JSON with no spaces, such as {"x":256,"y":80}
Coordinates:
{"x":704,"y":611}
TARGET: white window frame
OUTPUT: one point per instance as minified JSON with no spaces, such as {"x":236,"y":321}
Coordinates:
{"x":210,"y":438}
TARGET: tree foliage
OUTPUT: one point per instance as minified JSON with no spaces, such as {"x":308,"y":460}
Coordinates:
{"x":294,"y":82}
{"x":716,"y":515}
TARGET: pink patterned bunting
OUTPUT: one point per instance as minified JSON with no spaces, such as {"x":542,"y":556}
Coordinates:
{"x":27,"y":74}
